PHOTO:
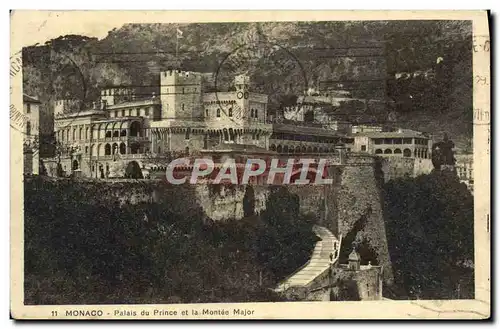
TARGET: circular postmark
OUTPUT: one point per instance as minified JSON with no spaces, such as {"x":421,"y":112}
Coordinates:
{"x":48,"y":76}
{"x":259,"y":67}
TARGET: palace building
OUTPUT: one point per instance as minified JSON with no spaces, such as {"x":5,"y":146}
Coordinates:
{"x":31,"y":130}
{"x":183,"y":120}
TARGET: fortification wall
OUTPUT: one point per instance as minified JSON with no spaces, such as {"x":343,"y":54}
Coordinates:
{"x":398,"y":167}
{"x":355,"y":193}
{"x":358,"y":196}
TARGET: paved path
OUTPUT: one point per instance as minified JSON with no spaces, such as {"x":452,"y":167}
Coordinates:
{"x":319,"y":262}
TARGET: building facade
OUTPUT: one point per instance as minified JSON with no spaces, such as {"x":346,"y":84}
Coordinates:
{"x":183,"y":120}
{"x":465,"y":169}
{"x":31,"y":143}
{"x":397,"y":143}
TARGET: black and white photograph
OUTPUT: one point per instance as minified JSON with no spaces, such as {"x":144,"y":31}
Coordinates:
{"x":241,"y":163}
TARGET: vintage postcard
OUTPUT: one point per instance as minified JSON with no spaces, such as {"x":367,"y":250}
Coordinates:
{"x":250,"y":165}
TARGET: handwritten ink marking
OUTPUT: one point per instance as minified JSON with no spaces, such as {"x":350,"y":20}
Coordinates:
{"x":482,"y":80}
{"x":481,"y":116}
{"x":481,"y":45}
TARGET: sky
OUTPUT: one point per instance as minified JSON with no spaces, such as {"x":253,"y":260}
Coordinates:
{"x":47,"y":25}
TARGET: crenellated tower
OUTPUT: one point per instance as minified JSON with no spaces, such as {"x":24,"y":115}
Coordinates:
{"x":181,"y":95}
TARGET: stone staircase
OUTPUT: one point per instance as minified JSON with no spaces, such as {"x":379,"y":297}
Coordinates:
{"x":320,"y":260}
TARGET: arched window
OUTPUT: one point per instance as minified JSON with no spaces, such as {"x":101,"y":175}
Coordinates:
{"x":397,"y":151}
{"x":378,"y":151}
{"x":230,"y":112}
{"x":279,"y":149}
{"x":388,"y":151}
{"x":74,"y":134}
{"x":123,"y":132}
{"x":114,"y":150}
{"x":135,"y":129}
{"x":285,"y":149}
{"x":116,"y":133}
{"x":75,"y":165}
{"x":256,"y":113}
{"x":251,"y":113}
{"x":218,"y":113}
{"x":273,"y":147}
{"x":182,"y":106}
{"x":407,"y":153}
{"x":107,"y":149}
{"x":80,"y":134}
{"x":108,"y":133}
{"x":87,"y":133}
{"x":123,"y":148}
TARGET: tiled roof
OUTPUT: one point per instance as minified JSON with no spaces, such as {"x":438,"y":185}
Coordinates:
{"x":391,"y":134}
{"x":229,"y":147}
{"x":30,"y":99}
{"x":134,"y":103}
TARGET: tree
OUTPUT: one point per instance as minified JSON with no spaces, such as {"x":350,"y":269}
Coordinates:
{"x":430,"y":231}
{"x":249,"y":202}
{"x":133,"y":170}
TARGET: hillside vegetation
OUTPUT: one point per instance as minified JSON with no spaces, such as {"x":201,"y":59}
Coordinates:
{"x":86,"y":250}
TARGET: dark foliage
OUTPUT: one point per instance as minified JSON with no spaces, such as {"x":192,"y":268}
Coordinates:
{"x":80,"y":248}
{"x":133,"y":170}
{"x":430,"y":230}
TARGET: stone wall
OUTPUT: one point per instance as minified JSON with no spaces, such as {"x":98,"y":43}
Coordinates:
{"x":358,"y":195}
{"x":354,"y":193}
{"x":399,"y":167}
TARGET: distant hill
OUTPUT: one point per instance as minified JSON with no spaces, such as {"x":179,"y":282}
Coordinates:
{"x":368,"y":59}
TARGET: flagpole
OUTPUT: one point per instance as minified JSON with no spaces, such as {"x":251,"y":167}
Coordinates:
{"x":177,"y":50}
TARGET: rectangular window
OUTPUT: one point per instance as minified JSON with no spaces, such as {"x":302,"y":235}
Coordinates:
{"x":182,"y":107}
{"x":28,"y":108}
{"x":138,"y":112}
{"x":123,"y":113}
{"x":188,"y":133}
{"x":146,"y":112}
{"x":363,"y":148}
{"x":206,"y":112}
